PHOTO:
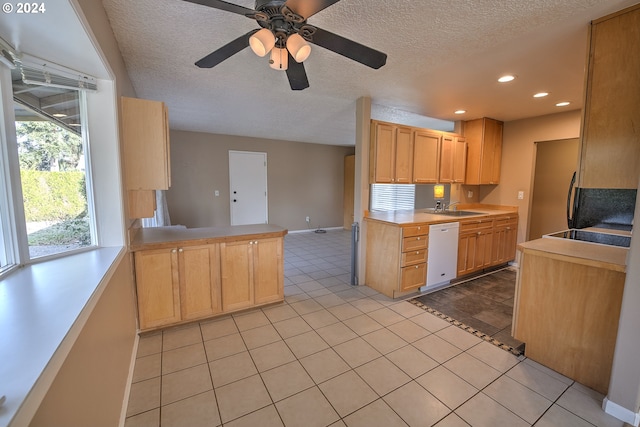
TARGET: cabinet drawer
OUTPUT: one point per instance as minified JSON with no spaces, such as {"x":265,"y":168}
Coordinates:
{"x":414,"y":257}
{"x":476,"y":224}
{"x":413,"y":276}
{"x":506,"y":221}
{"x":415,"y":230}
{"x":414,"y":243}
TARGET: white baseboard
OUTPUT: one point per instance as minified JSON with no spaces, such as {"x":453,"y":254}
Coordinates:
{"x":621,"y":413}
{"x":313,"y":230}
{"x":127,"y":391}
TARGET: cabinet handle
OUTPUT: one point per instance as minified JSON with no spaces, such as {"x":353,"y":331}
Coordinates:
{"x":180,"y":250}
{"x":417,"y":266}
{"x":417,"y":238}
{"x":479,"y":233}
{"x":173,"y":251}
{"x":419,"y":228}
{"x":417,"y":252}
{"x":255,"y":243}
{"x":251,"y":242}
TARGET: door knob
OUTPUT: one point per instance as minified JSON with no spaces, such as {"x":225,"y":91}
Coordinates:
{"x":234,"y":200}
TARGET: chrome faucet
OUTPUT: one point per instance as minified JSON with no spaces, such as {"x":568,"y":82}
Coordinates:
{"x":446,"y":208}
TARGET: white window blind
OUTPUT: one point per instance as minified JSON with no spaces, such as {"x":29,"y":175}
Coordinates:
{"x":390,"y":197}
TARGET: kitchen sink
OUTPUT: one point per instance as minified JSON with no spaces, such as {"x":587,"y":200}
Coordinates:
{"x":454,"y":213}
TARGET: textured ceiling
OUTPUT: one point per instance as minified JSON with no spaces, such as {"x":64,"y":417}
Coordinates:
{"x":443,"y":55}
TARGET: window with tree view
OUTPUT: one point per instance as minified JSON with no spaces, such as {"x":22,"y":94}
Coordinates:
{"x":53,"y":169}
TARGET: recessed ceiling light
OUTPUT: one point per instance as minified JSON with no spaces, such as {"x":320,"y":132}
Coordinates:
{"x":563,"y":104}
{"x":541,"y":94}
{"x":459,"y":111}
{"x":59,"y":115}
{"x":507,"y":78}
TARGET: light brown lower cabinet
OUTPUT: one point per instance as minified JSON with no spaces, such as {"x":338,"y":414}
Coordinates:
{"x":158,"y":287}
{"x":474,"y":245}
{"x":193,"y":282}
{"x":396,"y":260}
{"x":251,"y":273}
{"x":566,"y":311}
{"x":199,"y":281}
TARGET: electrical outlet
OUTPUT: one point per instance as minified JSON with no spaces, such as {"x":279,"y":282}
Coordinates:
{"x":469,"y":194}
{"x":307,"y":219}
{"x":520,"y":195}
{"x":216,"y":193}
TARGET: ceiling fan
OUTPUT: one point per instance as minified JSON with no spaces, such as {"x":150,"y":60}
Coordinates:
{"x":285,"y":33}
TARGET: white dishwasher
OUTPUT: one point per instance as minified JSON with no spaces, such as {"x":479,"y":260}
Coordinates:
{"x":443,"y":254}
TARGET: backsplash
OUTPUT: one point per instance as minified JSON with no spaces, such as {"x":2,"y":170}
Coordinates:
{"x":604,"y":207}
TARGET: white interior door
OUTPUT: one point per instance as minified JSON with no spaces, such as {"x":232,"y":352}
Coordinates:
{"x":248,"y":187}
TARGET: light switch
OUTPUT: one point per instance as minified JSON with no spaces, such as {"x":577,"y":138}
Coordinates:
{"x":216,"y":193}
{"x":520,"y":195}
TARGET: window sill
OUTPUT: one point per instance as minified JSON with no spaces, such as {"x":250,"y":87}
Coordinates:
{"x":43,"y":307}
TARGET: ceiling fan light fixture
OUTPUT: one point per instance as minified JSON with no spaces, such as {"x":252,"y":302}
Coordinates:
{"x":298,"y":47}
{"x":279,"y":59}
{"x":262,"y":42}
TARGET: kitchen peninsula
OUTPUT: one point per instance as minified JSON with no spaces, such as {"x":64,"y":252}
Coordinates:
{"x":185,"y":274}
{"x":397,"y":244}
{"x":568,"y":298}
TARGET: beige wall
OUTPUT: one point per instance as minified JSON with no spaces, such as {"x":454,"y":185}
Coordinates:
{"x":302,"y":180}
{"x":518,"y":160}
{"x":555,"y":163}
{"x":89,"y":388}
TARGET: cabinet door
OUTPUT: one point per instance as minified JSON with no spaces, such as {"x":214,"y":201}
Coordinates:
{"x":459,"y":159}
{"x":236,"y":268}
{"x":404,"y":156}
{"x":157,"y":286}
{"x":426,"y":152}
{"x":467,"y":243}
{"x":268,"y":276}
{"x":146,"y":144}
{"x":491,"y":152}
{"x":383,"y":153}
{"x":446,"y":158}
{"x":610,"y":152}
{"x":199,"y":281}
{"x":483,"y":249}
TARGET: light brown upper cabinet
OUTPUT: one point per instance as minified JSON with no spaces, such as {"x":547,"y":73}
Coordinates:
{"x":404,"y":155}
{"x":610,"y":148}
{"x":453,"y":158}
{"x":391,"y":154}
{"x":484,"y":145}
{"x":145,"y":140}
{"x":426,"y":153}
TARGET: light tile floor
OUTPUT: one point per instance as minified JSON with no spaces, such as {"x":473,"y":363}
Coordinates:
{"x":336,"y":355}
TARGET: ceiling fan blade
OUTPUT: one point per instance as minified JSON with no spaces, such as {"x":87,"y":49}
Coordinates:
{"x":226,"y":51}
{"x":345,"y":47}
{"x":223,"y":5}
{"x":306,"y":8}
{"x":297,"y":75}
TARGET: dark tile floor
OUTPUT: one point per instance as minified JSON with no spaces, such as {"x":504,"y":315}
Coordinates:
{"x":484,"y":303}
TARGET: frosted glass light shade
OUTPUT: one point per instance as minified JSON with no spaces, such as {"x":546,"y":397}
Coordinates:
{"x":279,"y":59}
{"x":298,"y":47}
{"x":438,"y":191}
{"x":262,"y":42}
